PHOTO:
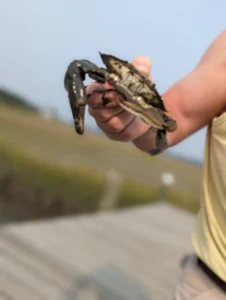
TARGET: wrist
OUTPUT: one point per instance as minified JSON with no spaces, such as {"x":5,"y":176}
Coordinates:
{"x":146,"y":141}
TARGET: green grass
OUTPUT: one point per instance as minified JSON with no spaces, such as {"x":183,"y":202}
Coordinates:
{"x":79,"y":189}
{"x":48,"y":156}
{"x":133,"y":194}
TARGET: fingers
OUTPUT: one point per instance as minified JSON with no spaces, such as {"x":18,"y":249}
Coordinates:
{"x":105,"y":114}
{"x":134,"y":129}
{"x":117,"y":123}
{"x":96,"y":99}
{"x":96,"y":85}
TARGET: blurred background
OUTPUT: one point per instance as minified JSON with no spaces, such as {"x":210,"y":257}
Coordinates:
{"x":47,"y":171}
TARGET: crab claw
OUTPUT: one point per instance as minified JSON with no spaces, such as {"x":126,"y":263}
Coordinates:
{"x":113,"y":63}
{"x":73,"y":83}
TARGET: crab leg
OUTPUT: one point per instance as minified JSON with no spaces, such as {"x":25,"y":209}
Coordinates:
{"x":161,"y":143}
{"x":73,"y":83}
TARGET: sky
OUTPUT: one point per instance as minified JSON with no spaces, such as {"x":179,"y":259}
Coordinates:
{"x":40,"y":38}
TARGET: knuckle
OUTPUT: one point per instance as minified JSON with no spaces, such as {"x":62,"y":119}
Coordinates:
{"x":121,"y":136}
{"x":93,"y":86}
{"x":101,"y":125}
{"x":101,"y":115}
{"x":114,"y":137}
{"x":126,"y":136}
{"x":91,"y":111}
{"x":94,"y":100}
{"x":115,"y":124}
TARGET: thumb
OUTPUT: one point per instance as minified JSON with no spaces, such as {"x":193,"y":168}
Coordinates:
{"x":143,"y":65}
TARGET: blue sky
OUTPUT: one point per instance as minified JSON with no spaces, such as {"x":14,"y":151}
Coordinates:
{"x":40,"y":38}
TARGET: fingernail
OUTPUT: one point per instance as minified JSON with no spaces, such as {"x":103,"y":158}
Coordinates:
{"x":143,"y":69}
{"x":143,"y":64}
{"x":143,"y":60}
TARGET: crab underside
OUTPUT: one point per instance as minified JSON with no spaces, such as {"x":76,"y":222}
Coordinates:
{"x":140,"y":96}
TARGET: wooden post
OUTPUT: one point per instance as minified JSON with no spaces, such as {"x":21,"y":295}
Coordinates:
{"x":111,"y":189}
{"x":167,"y":179}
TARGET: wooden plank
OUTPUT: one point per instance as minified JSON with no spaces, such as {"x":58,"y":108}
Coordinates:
{"x":128,"y":254}
{"x":15,"y":288}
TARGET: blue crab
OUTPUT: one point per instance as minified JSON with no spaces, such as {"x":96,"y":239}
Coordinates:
{"x":140,"y":96}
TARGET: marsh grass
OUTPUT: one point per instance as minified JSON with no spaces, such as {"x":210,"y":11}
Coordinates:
{"x":79,"y":190}
{"x":53,"y":165}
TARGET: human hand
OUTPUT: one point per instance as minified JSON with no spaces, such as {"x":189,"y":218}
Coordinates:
{"x":117,"y":123}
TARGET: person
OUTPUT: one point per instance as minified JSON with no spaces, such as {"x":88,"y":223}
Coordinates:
{"x":195,"y":101}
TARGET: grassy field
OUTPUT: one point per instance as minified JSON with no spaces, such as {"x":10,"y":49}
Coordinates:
{"x":51,"y":151}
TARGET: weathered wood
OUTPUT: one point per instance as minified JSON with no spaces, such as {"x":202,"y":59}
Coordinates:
{"x":128,"y":254}
{"x":111,"y":189}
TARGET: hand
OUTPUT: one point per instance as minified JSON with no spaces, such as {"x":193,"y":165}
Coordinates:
{"x":115,"y":122}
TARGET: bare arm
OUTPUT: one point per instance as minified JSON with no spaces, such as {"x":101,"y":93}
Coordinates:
{"x":197,"y":98}
{"x":193,"y":101}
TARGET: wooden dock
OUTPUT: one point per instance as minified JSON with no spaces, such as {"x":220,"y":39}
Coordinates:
{"x":132,"y":254}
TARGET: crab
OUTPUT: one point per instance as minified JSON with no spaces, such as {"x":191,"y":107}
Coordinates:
{"x":140,"y":96}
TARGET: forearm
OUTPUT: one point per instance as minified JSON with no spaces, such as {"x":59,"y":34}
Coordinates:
{"x":196,"y":99}
{"x":193,"y":102}
{"x":178,"y":93}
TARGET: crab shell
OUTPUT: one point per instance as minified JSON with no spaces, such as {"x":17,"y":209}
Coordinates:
{"x":141,"y":97}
